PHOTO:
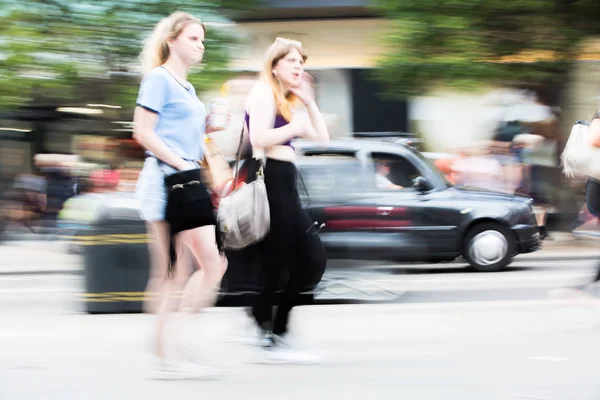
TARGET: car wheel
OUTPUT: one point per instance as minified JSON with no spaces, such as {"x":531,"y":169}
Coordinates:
{"x":489,"y":247}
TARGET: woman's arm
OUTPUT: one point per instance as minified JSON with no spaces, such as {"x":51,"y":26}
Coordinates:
{"x":321,"y":133}
{"x":262,"y":110}
{"x":305,"y":92}
{"x":151,"y":101}
{"x":144,"y":124}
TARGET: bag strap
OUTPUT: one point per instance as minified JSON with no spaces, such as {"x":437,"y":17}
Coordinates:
{"x":238,"y":157}
{"x":259,"y":173}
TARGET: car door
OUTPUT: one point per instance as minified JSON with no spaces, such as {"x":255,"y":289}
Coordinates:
{"x":335,"y":196}
{"x":414,"y":224}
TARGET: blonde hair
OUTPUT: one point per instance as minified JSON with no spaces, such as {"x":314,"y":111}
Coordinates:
{"x":156,"y":49}
{"x":278,"y":50}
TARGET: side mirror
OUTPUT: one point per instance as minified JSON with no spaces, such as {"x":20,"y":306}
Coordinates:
{"x":421,"y":184}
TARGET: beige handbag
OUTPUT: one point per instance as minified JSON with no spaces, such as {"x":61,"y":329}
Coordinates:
{"x":580,"y":158}
{"x":243,"y":216}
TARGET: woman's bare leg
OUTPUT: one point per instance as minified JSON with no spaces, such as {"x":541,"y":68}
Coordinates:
{"x":158,"y":288}
{"x":199,"y":290}
{"x":541,"y":214}
{"x":202,"y":287}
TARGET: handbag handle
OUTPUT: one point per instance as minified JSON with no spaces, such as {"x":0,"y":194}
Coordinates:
{"x":238,"y":156}
{"x":259,"y":173}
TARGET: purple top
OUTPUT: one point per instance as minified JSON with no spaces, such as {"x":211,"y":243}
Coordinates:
{"x":279,"y":122}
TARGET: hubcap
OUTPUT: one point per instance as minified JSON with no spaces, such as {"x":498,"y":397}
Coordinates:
{"x":488,"y":247}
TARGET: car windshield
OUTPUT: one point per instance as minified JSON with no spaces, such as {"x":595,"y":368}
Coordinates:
{"x":432,"y":165}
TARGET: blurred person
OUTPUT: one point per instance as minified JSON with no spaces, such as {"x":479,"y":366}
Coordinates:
{"x":592,"y":188}
{"x":60,"y":187}
{"x":170,"y":122}
{"x":524,"y":143}
{"x":104,"y":180}
{"x":511,"y":168}
{"x":533,"y":149}
{"x":381,"y":176}
{"x":592,"y":197}
{"x":510,"y":153}
{"x":128,"y":176}
{"x":478,"y":168}
{"x":24,"y":202}
{"x":281,"y":107}
{"x":444,"y":165}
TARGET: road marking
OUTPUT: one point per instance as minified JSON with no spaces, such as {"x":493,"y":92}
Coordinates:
{"x":39,"y":278}
{"x":528,"y":278}
{"x":549,"y":358}
{"x":9,"y":333}
{"x":44,"y":290}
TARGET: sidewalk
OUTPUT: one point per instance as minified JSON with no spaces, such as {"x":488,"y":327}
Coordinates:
{"x":568,"y":240}
{"x":47,"y":257}
{"x":426,"y":352}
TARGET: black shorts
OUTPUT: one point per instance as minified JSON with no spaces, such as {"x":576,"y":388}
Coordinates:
{"x":592,"y":197}
{"x":190,"y":206}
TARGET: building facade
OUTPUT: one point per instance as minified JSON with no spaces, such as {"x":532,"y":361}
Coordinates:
{"x":342,"y":39}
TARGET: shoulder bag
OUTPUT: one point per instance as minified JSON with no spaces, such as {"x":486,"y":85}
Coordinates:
{"x":243,"y":216}
{"x":580,"y":158}
{"x":189,"y":203}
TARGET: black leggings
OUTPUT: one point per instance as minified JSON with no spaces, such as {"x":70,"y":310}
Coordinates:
{"x":278,"y":251}
{"x":592,"y":198}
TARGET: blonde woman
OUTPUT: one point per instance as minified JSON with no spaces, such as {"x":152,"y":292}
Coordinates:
{"x":280,"y":108}
{"x":169,"y":121}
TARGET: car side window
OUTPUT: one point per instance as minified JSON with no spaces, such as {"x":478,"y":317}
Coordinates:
{"x":393,"y":172}
{"x":328,"y":175}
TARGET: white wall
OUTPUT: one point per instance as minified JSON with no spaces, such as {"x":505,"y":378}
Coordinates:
{"x":334,"y":97}
{"x":447,"y":120}
{"x":329,"y":43}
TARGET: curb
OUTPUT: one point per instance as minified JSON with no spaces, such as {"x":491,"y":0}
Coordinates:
{"x":576,"y":248}
{"x":549,"y":258}
{"x":523,"y":258}
{"x":78,"y":272}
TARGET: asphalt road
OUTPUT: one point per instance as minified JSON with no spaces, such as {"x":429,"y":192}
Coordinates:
{"x":402,"y":284}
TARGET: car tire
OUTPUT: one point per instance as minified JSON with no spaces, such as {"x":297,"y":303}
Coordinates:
{"x":489,"y":247}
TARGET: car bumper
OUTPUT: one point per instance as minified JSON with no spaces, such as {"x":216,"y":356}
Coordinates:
{"x":528,"y":238}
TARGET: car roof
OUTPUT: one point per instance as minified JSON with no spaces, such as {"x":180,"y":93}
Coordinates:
{"x":309,"y":161}
{"x":352,"y":146}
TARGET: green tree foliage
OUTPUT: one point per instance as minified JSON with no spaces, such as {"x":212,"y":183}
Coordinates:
{"x":49,"y":47}
{"x":464,"y":43}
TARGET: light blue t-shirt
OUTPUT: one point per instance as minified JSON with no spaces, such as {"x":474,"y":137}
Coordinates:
{"x":182,"y":116}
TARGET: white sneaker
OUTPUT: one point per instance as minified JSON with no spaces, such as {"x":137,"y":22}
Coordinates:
{"x":254,"y":336}
{"x":282,"y":355}
{"x":283,"y":351}
{"x":163,"y":369}
{"x":205,"y":372}
{"x":166,"y":369}
{"x":252,"y":340}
